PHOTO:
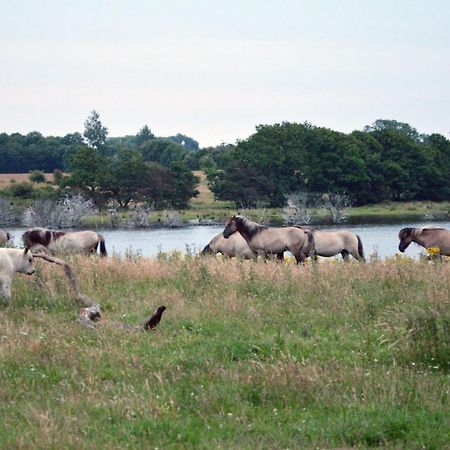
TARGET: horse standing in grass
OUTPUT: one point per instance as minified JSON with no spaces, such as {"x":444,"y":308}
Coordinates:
{"x":235,"y":245}
{"x":426,"y":237}
{"x":271,"y":240}
{"x":4,"y":237}
{"x":64,"y":241}
{"x":13,"y":261}
{"x":331,"y":243}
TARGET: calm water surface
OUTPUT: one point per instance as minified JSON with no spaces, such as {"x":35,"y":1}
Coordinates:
{"x":380,"y":239}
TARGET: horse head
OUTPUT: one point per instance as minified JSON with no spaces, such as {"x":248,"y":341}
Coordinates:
{"x":25,"y":263}
{"x":406,"y":237}
{"x":207,"y":250}
{"x":230,"y":228}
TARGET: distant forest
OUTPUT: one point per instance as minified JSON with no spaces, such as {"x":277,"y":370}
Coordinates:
{"x":388,"y":160}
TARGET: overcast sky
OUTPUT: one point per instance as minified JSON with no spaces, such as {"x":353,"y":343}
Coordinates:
{"x":215,"y":69}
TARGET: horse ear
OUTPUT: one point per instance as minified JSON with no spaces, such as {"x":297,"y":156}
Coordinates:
{"x":27,"y":249}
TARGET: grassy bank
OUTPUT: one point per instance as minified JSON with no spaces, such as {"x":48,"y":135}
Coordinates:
{"x":248,"y":355}
{"x":219,"y":212}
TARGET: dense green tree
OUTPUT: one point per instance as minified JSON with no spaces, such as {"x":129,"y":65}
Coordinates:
{"x":401,"y":127}
{"x":184,"y":183}
{"x":91,"y":173}
{"x":94,"y":132}
{"x":186,"y":141}
{"x":144,"y":135}
{"x":389,"y":161}
{"x":163,"y":151}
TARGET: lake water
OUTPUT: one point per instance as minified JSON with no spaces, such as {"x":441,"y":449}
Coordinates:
{"x":381,"y":239}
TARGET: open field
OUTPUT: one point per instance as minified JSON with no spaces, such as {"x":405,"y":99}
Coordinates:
{"x":248,"y":355}
{"x":6,"y":179}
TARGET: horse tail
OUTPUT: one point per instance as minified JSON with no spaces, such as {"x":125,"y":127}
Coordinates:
{"x":101,"y":239}
{"x":311,"y":249}
{"x":8,"y":236}
{"x":360,"y":248}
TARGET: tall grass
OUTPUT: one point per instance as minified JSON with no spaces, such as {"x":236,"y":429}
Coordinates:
{"x":248,"y":355}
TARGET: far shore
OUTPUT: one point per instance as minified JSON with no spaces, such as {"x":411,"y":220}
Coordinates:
{"x":389,"y":213}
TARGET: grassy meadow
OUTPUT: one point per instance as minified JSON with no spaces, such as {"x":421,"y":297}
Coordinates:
{"x":247,"y":355}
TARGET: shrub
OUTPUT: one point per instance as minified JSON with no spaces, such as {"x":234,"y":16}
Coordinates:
{"x":8,"y":213}
{"x":36,"y":176}
{"x":21,"y":190}
{"x":68,"y":212}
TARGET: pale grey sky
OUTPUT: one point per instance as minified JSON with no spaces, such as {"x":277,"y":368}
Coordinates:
{"x":214,"y":70}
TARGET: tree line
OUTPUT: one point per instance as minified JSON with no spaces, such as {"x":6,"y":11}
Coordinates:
{"x":139,"y":168}
{"x":388,"y":160}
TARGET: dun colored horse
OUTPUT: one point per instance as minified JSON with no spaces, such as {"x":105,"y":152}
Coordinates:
{"x":235,"y":245}
{"x":426,"y":237}
{"x":64,"y":241}
{"x":271,"y":240}
{"x":4,"y":237}
{"x":331,"y":243}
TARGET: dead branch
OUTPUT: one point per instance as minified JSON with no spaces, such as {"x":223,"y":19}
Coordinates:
{"x":91,"y":314}
{"x":73,"y":281}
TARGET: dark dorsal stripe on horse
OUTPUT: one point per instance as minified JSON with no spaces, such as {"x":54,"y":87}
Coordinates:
{"x":428,"y":230}
{"x":57,"y":234}
{"x":250,"y":228}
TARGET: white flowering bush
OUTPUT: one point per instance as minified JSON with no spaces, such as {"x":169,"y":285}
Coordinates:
{"x":68,"y":212}
{"x":296,"y":210}
{"x":8,"y":213}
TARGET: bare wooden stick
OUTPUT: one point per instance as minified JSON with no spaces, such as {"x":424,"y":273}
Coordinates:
{"x":73,"y":280}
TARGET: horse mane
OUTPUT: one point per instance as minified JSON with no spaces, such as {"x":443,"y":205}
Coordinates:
{"x":405,"y":232}
{"x":36,"y":235}
{"x":251,"y":228}
{"x":306,"y":228}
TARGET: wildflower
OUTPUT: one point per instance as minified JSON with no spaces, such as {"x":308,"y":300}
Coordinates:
{"x":432,"y":251}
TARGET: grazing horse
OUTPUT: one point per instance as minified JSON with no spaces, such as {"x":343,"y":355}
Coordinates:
{"x":12,"y":261}
{"x":235,"y":245}
{"x":64,"y":241}
{"x":426,"y":237}
{"x":331,"y":243}
{"x":4,"y":237}
{"x":271,"y":240}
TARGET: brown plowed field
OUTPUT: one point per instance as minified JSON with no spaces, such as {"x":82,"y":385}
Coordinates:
{"x":7,"y":178}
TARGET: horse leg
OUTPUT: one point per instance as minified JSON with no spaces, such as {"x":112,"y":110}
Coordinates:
{"x":355,"y":255}
{"x":345,"y":254}
{"x":280,"y":257}
{"x":5,"y":290}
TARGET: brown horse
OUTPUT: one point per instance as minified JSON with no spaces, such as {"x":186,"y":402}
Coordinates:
{"x":235,"y":245}
{"x":4,"y":237}
{"x":271,"y":240}
{"x":426,"y":237}
{"x":64,"y":241}
{"x":331,"y":243}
